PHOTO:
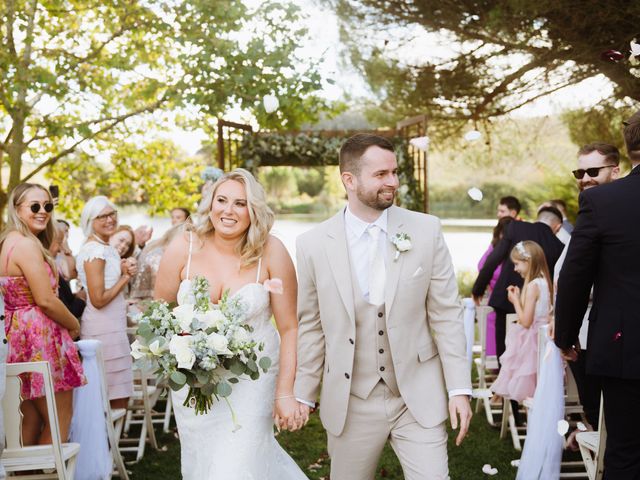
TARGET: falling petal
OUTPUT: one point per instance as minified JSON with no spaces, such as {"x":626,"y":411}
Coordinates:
{"x":581,"y":426}
{"x":515,"y":463}
{"x":635,"y":48}
{"x":273,"y":285}
{"x":563,"y":427}
{"x":421,"y":143}
{"x":611,"y":56}
{"x":472,"y":136}
{"x":270,"y":103}
{"x":475,"y":194}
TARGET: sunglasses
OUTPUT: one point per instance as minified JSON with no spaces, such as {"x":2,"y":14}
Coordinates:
{"x":47,"y":207}
{"x":592,"y":172}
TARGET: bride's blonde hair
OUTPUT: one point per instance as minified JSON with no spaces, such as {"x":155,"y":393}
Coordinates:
{"x":252,"y":245}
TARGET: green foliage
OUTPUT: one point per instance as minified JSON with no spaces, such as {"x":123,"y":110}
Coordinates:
{"x":486,"y":58}
{"x":310,"y":180}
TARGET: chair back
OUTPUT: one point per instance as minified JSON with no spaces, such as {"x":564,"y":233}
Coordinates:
{"x":13,"y":415}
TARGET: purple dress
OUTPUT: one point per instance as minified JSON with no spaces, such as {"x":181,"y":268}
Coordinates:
{"x":491,"y":318}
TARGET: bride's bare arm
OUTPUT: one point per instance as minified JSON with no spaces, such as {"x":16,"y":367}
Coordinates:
{"x":172,"y":263}
{"x":284,"y":310}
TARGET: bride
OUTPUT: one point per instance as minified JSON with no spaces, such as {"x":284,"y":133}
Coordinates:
{"x":231,"y":247}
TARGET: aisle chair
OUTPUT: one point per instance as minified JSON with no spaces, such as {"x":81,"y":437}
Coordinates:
{"x":486,"y":365}
{"x":59,"y":457}
{"x":592,"y":446}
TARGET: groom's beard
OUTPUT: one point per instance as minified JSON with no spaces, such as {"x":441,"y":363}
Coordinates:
{"x":376,"y":200}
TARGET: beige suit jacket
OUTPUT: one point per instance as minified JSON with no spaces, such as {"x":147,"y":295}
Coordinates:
{"x":423,"y":314}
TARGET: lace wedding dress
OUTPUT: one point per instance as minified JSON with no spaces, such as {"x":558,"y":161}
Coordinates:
{"x":210,"y":448}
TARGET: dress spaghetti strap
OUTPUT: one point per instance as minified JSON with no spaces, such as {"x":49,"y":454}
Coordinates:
{"x":190,"y":250}
{"x":259,"y":266}
{"x":6,"y":263}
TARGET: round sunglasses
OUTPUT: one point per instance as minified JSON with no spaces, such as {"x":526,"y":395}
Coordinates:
{"x":47,"y":207}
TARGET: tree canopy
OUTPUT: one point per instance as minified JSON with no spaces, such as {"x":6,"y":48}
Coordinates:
{"x":78,"y":74}
{"x":492,"y":57}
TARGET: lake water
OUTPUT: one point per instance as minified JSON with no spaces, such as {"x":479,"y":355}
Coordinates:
{"x":467,"y":239}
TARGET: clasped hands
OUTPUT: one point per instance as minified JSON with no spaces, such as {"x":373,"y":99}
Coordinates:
{"x":289,"y":414}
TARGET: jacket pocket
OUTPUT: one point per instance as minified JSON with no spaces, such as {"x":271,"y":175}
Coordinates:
{"x":425,"y":352}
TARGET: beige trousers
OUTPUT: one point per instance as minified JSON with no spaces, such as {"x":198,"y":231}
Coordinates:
{"x":355,"y":453}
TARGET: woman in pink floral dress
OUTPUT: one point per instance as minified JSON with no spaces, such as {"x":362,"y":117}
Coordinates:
{"x":37,"y":324}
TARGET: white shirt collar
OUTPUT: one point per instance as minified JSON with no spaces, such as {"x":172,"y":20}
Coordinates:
{"x":356,"y":226}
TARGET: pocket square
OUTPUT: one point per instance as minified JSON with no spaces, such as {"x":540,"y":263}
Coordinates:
{"x":419,"y":271}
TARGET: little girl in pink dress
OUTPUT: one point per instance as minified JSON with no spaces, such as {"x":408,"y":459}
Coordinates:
{"x":517,"y":378}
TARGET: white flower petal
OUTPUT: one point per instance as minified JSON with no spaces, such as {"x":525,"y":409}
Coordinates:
{"x":563,"y":427}
{"x":581,"y":426}
{"x":488,"y":470}
{"x":271,"y":103}
{"x":515,"y":463}
{"x":635,"y":47}
{"x":475,"y":193}
{"x":472,"y":135}
{"x":421,"y":143}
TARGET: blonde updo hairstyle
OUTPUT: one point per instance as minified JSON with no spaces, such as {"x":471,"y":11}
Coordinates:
{"x":255,"y":238}
{"x":15,"y":223}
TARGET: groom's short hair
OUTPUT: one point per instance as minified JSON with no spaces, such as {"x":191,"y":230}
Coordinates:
{"x":354,"y":147}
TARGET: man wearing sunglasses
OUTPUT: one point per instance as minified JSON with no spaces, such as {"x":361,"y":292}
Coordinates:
{"x":605,"y":252}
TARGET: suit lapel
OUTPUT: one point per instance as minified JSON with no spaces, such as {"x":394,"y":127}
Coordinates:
{"x":394,"y":224}
{"x":338,"y":256}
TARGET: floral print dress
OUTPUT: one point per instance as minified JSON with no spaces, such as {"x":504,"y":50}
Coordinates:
{"x":34,"y":337}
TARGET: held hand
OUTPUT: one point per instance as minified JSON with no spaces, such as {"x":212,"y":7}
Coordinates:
{"x":287,"y":414}
{"x":459,"y":406}
{"x":74,"y":334}
{"x":477,"y":300}
{"x":570,"y":354}
{"x":305,"y":411}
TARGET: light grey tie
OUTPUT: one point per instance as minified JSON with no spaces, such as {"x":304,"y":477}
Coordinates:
{"x":377,"y":273}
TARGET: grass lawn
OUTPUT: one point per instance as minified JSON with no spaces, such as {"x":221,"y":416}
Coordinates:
{"x":308,"y":448}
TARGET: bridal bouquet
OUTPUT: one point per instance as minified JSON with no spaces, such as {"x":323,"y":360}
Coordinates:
{"x":205,"y":346}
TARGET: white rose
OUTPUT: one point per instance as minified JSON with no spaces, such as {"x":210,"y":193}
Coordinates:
{"x":218,"y":342}
{"x":404,"y":245}
{"x":212,"y":318}
{"x":184,"y":315}
{"x":136,"y":350}
{"x":180,"y":347}
{"x":241,"y":336}
{"x":156,"y":349}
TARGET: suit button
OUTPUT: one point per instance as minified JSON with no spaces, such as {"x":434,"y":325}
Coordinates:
{"x":380,"y":314}
{"x":351,"y":341}
{"x":381,"y":351}
{"x":381,"y":332}
{"x":382,"y":369}
{"x":1,"y":317}
{"x":346,"y":375}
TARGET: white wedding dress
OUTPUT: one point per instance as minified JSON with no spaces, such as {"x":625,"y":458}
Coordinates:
{"x":210,"y":448}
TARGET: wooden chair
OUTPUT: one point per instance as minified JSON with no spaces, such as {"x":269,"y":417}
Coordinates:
{"x":486,"y":365}
{"x":58,"y":457}
{"x":592,"y":446}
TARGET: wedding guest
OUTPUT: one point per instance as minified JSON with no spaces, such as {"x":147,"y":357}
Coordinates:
{"x":105,"y":275}
{"x":37,"y":324}
{"x":543,"y":233}
{"x":598,"y":163}
{"x":74,"y":302}
{"x":498,"y":232}
{"x":517,"y":377}
{"x":508,"y":206}
{"x":603,"y":253}
{"x":179,"y":215}
{"x":142,"y":235}
{"x":562,"y":234}
{"x":123,"y":240}
{"x":64,"y":259}
{"x":562,"y":206}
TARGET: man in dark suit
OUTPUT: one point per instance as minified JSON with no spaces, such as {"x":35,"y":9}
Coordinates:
{"x":605,"y":252}
{"x":543,"y":232}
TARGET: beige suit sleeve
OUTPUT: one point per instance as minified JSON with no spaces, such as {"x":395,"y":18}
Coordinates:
{"x":444,"y":311}
{"x":311,"y":345}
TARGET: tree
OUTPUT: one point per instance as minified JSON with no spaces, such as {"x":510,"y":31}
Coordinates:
{"x":75,"y":74}
{"x":501,"y":54}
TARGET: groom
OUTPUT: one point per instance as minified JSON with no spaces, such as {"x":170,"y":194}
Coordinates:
{"x":380,"y":326}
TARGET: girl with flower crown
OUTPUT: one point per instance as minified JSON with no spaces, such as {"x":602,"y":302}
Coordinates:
{"x":517,"y":378}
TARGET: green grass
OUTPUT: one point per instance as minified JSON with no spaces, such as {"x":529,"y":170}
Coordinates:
{"x":309,"y":448}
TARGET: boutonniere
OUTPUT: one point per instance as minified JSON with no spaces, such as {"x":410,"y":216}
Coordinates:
{"x":402,"y":242}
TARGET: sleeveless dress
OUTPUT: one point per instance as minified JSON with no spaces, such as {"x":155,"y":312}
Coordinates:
{"x":517,"y":377}
{"x":33,"y":337}
{"x":109,"y":323}
{"x":210,"y":448}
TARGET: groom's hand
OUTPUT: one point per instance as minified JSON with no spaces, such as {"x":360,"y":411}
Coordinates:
{"x":459,"y":406}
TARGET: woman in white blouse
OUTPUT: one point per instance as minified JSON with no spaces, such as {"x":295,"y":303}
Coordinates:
{"x":104,"y":275}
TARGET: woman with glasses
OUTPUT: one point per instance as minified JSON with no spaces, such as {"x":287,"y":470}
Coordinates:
{"x":105,"y":275}
{"x":37,"y":324}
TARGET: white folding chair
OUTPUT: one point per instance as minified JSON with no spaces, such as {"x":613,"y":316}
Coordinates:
{"x":59,"y":457}
{"x":486,"y":365}
{"x":592,"y":446}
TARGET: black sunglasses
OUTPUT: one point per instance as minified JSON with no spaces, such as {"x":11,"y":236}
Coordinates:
{"x":592,"y":172}
{"x":47,"y":206}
